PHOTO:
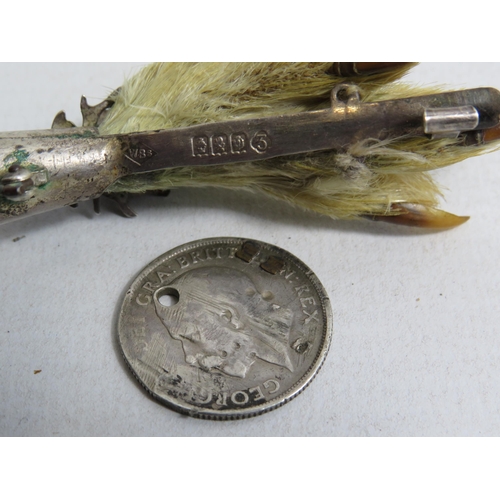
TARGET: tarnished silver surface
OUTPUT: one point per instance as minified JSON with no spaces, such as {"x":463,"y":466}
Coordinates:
{"x":225,"y":328}
{"x":60,"y":167}
{"x":348,"y":120}
{"x":450,"y":122}
{"x":75,"y":164}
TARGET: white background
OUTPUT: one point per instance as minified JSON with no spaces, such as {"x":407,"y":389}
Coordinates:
{"x":416,"y":347}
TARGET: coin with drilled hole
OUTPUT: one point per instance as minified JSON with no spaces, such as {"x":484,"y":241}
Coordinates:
{"x":225,"y":328}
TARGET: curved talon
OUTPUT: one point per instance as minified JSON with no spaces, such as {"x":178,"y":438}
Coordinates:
{"x":121,"y":200}
{"x":416,"y":215}
{"x":60,"y":121}
{"x":97,"y":205}
{"x":92,"y":115}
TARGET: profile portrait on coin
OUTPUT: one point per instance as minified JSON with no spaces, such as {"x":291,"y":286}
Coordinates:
{"x":224,"y":322}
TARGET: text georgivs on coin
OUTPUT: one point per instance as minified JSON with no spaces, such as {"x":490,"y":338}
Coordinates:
{"x":225,"y":328}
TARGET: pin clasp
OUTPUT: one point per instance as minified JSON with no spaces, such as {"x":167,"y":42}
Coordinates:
{"x":450,"y":122}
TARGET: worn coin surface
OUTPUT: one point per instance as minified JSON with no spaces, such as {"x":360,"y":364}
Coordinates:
{"x":225,"y":328}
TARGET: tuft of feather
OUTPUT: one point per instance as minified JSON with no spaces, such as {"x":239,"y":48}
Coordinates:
{"x":375,"y":179}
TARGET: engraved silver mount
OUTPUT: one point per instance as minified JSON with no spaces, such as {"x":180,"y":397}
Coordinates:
{"x":74,"y":164}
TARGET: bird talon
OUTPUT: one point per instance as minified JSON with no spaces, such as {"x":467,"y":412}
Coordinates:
{"x":93,"y":115}
{"x":60,"y":121}
{"x":121,"y":200}
{"x":416,"y":215}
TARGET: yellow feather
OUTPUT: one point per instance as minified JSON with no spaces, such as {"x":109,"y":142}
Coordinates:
{"x":372,"y":178}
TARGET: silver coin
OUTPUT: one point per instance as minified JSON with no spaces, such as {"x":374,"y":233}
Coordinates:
{"x":225,"y":328}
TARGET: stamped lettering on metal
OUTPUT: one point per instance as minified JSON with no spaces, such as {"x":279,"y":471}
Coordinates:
{"x":139,"y":153}
{"x":261,"y":141}
{"x":230,"y":327}
{"x":221,"y":144}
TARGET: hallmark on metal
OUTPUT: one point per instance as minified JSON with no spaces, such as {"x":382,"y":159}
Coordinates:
{"x":139,"y":153}
{"x":221,"y":144}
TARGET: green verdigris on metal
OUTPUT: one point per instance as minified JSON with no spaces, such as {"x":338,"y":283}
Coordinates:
{"x":19,"y":155}
{"x":53,"y":168}
{"x":44,"y":170}
{"x":85,"y":133}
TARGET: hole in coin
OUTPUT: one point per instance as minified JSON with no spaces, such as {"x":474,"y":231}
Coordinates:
{"x":168,"y":297}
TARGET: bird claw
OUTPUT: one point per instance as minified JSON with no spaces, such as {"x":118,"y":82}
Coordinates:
{"x":60,"y":121}
{"x":121,"y":200}
{"x":416,"y":215}
{"x":92,"y":115}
